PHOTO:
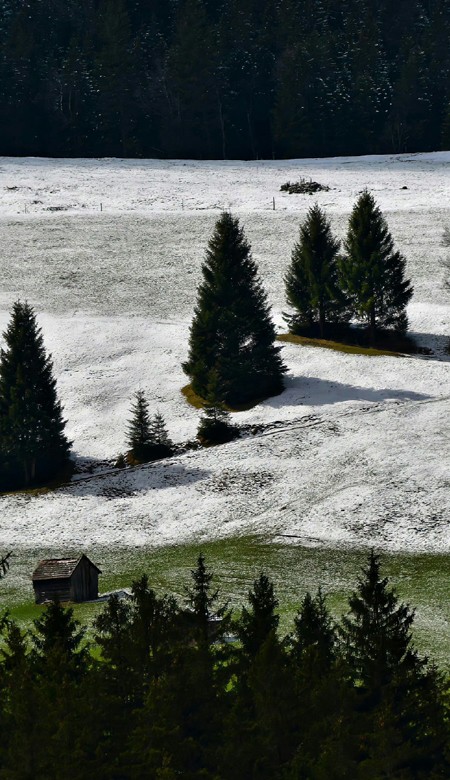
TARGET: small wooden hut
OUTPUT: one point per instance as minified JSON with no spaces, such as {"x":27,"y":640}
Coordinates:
{"x":68,"y":579}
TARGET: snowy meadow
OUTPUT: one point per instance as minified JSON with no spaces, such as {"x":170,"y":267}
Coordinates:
{"x":355,"y":453}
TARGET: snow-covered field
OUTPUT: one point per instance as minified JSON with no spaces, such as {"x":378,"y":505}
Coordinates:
{"x":356,"y":451}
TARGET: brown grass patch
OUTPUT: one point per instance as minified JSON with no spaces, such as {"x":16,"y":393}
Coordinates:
{"x":199,"y":403}
{"x":350,"y":349}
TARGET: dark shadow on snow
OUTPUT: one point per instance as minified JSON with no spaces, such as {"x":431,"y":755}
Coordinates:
{"x":439,"y":344}
{"x":312,"y":391}
{"x":123,"y":483}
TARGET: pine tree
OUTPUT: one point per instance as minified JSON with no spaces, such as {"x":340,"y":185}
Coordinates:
{"x":33,"y":446}
{"x":232,"y":332}
{"x":202,"y":602}
{"x":58,"y":642}
{"x":148,"y":438}
{"x":401,"y":726}
{"x":372,"y":272}
{"x":256,"y":623}
{"x":312,"y":287}
{"x":162,"y":445}
{"x":152,"y":629}
{"x":314,"y":633}
{"x":139,"y":436}
{"x":377,"y":631}
{"x":215,"y":425}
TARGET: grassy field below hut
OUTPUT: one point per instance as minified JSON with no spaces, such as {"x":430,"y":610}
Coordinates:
{"x":420,"y":579}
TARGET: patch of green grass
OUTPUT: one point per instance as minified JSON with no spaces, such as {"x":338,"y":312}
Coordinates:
{"x":349,"y":349}
{"x":421,"y":580}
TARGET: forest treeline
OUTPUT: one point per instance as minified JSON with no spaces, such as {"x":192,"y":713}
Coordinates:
{"x":223,"y":78}
{"x":165,"y":690}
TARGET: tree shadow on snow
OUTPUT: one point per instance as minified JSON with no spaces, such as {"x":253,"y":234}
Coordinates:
{"x":438,"y":343}
{"x":312,"y":391}
{"x":148,"y":477}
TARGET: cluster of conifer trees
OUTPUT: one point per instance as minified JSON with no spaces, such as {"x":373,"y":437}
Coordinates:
{"x":365,"y":283}
{"x":223,"y":78}
{"x":233,"y":356}
{"x":158,"y":693}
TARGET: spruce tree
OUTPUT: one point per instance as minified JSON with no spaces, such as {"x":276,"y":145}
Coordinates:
{"x":148,"y":438}
{"x":215,"y":425}
{"x":256,"y":623}
{"x":58,"y":642}
{"x":400,"y":699}
{"x":312,"y":287}
{"x":314,"y":634}
{"x":377,"y":631}
{"x":162,"y":445}
{"x":33,"y":446}
{"x":139,"y":437}
{"x":232,"y":332}
{"x":372,"y":271}
{"x":202,"y":602}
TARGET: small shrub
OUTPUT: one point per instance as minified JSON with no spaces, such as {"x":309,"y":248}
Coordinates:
{"x":215,"y":428}
{"x":304,"y":187}
{"x":120,"y":462}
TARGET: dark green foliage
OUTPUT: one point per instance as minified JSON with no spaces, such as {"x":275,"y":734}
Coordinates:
{"x":148,"y":438}
{"x":312,"y":287}
{"x":377,"y":631}
{"x":58,"y":641}
{"x":159,"y":435}
{"x":257,"y":622}
{"x":314,"y":633}
{"x":209,"y":620}
{"x":139,"y":428}
{"x":232,"y":335}
{"x":215,"y":426}
{"x":372,"y":271}
{"x":241,"y":79}
{"x":160,"y":697}
{"x":399,"y":697}
{"x":33,"y":446}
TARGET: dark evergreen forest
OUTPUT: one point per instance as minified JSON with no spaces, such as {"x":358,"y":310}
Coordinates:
{"x":163,"y":691}
{"x":223,"y":78}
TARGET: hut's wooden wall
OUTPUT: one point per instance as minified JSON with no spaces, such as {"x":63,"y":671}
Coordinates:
{"x":46,"y":590}
{"x":84,"y":582}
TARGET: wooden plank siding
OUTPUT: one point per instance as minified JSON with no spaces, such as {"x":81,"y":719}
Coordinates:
{"x":47,"y":590}
{"x":68,"y":579}
{"x":84,"y":581}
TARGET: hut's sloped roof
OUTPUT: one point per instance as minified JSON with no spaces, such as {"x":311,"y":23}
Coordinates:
{"x":58,"y":568}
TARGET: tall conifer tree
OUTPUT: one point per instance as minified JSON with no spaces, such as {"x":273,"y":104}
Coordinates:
{"x":261,"y":619}
{"x":372,"y":271}
{"x":232,"y":332}
{"x":312,"y":287}
{"x":399,"y":697}
{"x":33,"y":445}
{"x":377,"y":631}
